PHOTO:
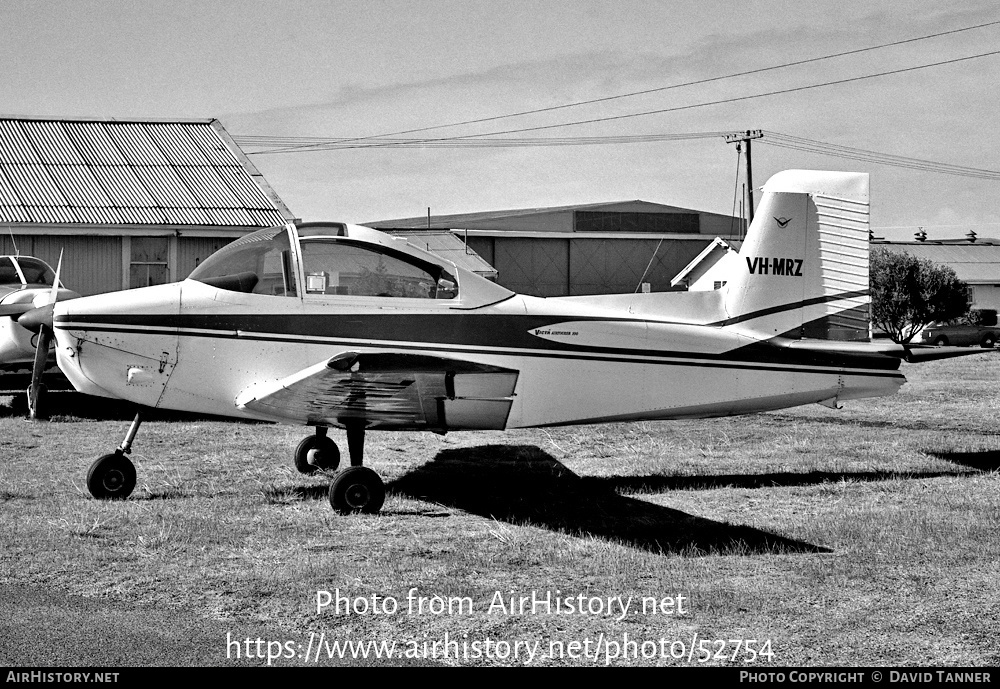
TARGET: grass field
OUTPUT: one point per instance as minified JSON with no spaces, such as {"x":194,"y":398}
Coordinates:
{"x":863,"y":536}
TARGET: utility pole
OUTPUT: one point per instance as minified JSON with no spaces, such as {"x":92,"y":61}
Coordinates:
{"x":747,"y":137}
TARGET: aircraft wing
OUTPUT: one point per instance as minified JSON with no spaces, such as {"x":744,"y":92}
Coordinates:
{"x":389,"y":390}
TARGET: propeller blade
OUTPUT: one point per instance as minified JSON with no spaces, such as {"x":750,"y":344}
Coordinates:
{"x":54,"y":294}
{"x":40,"y":321}
{"x":41,"y":359}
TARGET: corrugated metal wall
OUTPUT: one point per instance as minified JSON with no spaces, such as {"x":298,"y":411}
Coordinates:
{"x":91,"y":265}
{"x":539,"y":267}
{"x":191,"y":251}
{"x":547,"y":267}
{"x":614,"y":266}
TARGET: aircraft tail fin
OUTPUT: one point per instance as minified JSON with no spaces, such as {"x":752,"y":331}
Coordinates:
{"x":803,"y":269}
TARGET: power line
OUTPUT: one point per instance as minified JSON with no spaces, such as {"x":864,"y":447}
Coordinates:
{"x":505,"y":142}
{"x":440,"y":140}
{"x":299,"y":144}
{"x":812,"y":146}
{"x":771,"y":138}
{"x":736,"y":99}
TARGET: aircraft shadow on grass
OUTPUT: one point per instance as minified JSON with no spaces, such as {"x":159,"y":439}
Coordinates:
{"x":522,"y":484}
{"x":986,"y":460}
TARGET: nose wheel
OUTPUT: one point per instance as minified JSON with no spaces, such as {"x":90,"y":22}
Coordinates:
{"x":111,"y":477}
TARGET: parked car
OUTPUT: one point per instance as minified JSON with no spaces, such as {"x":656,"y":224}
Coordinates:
{"x":979,"y":328}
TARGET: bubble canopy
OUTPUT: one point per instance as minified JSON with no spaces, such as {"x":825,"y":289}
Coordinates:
{"x":325,"y":260}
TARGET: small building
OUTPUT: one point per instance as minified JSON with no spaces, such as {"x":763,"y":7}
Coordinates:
{"x":975,"y":261}
{"x":129,"y":203}
{"x":598,"y":248}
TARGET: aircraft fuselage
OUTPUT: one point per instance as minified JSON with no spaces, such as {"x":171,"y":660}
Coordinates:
{"x":194,"y":347}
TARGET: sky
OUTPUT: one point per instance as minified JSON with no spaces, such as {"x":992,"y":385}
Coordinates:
{"x":362,"y":68}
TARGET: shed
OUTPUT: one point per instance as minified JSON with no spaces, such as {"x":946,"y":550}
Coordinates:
{"x":129,"y":202}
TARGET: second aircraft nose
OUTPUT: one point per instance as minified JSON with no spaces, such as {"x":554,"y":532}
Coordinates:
{"x":35,"y":319}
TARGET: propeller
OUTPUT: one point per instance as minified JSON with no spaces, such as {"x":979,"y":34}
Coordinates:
{"x":39,"y":320}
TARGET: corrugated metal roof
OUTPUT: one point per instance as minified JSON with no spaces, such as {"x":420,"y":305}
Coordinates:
{"x":133,"y":173}
{"x":973,"y":262}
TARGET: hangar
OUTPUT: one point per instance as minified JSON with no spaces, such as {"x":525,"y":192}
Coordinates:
{"x":597,"y":248}
{"x":130,"y":202}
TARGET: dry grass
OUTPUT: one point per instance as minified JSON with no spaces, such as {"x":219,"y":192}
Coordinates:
{"x":865,"y":536}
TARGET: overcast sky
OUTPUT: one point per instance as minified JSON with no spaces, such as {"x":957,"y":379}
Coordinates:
{"x":361,"y":68}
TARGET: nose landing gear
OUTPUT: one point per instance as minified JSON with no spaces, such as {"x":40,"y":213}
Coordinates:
{"x":112,"y":477}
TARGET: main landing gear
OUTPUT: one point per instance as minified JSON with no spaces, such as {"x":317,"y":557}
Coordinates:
{"x":112,"y":477}
{"x":354,"y":489}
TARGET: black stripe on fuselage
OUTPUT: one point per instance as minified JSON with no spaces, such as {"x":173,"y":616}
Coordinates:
{"x":742,"y":318}
{"x":491,"y":334}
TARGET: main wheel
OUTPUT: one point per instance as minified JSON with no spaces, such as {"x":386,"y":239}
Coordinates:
{"x":941,"y":341}
{"x":316,"y":452}
{"x":111,"y":477}
{"x":989,"y":339}
{"x":357,"y":489}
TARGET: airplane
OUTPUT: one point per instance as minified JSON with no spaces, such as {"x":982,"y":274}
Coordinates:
{"x":333,"y":325}
{"x":26,"y":283}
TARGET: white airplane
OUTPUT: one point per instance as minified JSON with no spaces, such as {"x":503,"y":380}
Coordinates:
{"x":25,"y":283}
{"x":332,"y":325}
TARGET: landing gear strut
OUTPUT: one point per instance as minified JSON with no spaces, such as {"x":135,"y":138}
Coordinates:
{"x":357,"y":488}
{"x":354,"y":489}
{"x":112,"y":477}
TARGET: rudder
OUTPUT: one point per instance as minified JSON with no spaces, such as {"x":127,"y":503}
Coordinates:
{"x":803,"y":269}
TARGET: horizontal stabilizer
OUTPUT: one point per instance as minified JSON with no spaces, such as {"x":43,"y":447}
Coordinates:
{"x":907,"y":352}
{"x":919,"y":353}
{"x":888,"y":348}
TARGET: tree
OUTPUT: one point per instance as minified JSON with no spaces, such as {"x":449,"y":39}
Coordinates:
{"x":908,"y":293}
